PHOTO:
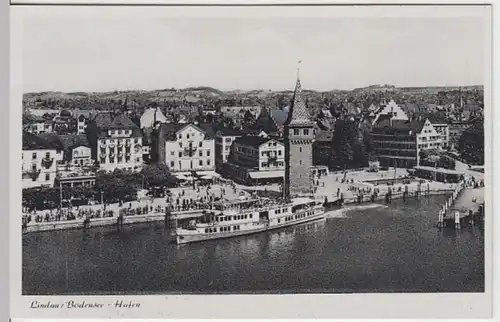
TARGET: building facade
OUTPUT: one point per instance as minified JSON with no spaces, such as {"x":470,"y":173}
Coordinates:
{"x":39,"y":161}
{"x":298,"y":139}
{"x":443,"y":130}
{"x":224,"y":139}
{"x":398,"y":143}
{"x":115,"y":142}
{"x":255,"y":160}
{"x":186,"y":147}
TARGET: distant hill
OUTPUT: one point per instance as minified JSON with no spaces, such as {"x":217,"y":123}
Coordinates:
{"x":203,"y":94}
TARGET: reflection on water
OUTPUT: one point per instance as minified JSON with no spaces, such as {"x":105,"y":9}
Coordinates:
{"x":367,"y":248}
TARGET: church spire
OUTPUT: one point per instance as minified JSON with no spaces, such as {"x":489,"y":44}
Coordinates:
{"x":298,"y":113}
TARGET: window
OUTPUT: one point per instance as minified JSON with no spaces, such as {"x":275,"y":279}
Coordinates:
{"x":279,"y":152}
{"x":172,"y":153}
{"x":172,"y":164}
{"x":187,"y":136}
{"x":226,"y":148}
{"x":34,"y":156}
{"x":180,"y":154}
{"x":136,"y":140}
{"x":208,"y":153}
{"x":47,"y":176}
{"x":200,"y":144}
{"x":208,"y":161}
{"x":180,"y":136}
{"x":306,"y":131}
{"x":227,"y":140}
{"x":295,"y":131}
{"x":300,"y":149}
{"x":119,"y":131}
{"x":180,"y":144}
{"x":201,"y":162}
{"x":200,"y":153}
{"x":300,"y":161}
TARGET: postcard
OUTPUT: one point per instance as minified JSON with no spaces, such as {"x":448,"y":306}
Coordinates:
{"x":250,"y":161}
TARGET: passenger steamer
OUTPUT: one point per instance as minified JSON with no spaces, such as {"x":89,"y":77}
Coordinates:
{"x":248,"y":217}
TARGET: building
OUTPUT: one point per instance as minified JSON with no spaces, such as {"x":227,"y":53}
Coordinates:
{"x":65,"y":123}
{"x":186,"y":147}
{"x":81,"y":124}
{"x":39,"y":161}
{"x":322,"y":147}
{"x":298,"y":139}
{"x":238,"y":112}
{"x":455,"y":130}
{"x":77,"y":151}
{"x":397,"y":143}
{"x":224,"y":138}
{"x":256,"y":159}
{"x":393,"y":110}
{"x":115,"y":142}
{"x":151,"y":116}
{"x":443,"y":130}
{"x":39,"y":127}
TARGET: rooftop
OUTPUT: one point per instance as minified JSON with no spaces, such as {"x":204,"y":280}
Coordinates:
{"x":254,"y":141}
{"x":34,"y":142}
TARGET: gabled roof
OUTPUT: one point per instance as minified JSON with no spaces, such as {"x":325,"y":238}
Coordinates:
{"x":110,"y":121}
{"x":265,"y":122}
{"x":72,"y":141}
{"x":170,"y":130}
{"x":34,"y":142}
{"x":229,"y":132}
{"x":254,"y":141}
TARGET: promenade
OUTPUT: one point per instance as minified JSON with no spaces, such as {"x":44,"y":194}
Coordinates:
{"x":186,"y":202}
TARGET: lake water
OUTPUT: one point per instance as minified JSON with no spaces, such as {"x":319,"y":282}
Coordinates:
{"x":375,"y":248}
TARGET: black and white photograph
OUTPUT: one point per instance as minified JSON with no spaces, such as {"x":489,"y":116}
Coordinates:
{"x":258,"y":154}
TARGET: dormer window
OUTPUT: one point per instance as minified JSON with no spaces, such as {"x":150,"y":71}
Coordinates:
{"x":295,"y":131}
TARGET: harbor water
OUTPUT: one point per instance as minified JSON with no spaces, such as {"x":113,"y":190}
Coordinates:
{"x":367,"y":248}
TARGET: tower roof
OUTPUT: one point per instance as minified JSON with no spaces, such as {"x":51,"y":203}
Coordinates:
{"x":298,"y":114}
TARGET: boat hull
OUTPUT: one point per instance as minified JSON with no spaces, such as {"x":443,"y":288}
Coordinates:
{"x":192,"y":238}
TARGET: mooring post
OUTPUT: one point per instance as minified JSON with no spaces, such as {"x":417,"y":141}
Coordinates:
{"x":457,"y":220}
{"x":440,"y":218}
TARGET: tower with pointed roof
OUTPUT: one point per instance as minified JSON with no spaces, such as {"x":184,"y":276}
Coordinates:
{"x":298,"y":139}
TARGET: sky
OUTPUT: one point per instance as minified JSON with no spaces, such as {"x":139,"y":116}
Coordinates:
{"x":104,"y":53}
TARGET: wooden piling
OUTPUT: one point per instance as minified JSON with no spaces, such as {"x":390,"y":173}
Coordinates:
{"x":457,"y":220}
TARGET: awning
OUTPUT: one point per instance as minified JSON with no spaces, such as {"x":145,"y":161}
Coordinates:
{"x":210,"y":174}
{"x":267,"y":174}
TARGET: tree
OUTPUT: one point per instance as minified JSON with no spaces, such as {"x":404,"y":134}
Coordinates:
{"x":348,"y":145}
{"x":471,"y":143}
{"x":158,"y":175}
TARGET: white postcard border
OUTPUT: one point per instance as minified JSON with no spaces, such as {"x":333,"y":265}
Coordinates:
{"x":437,"y":305}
